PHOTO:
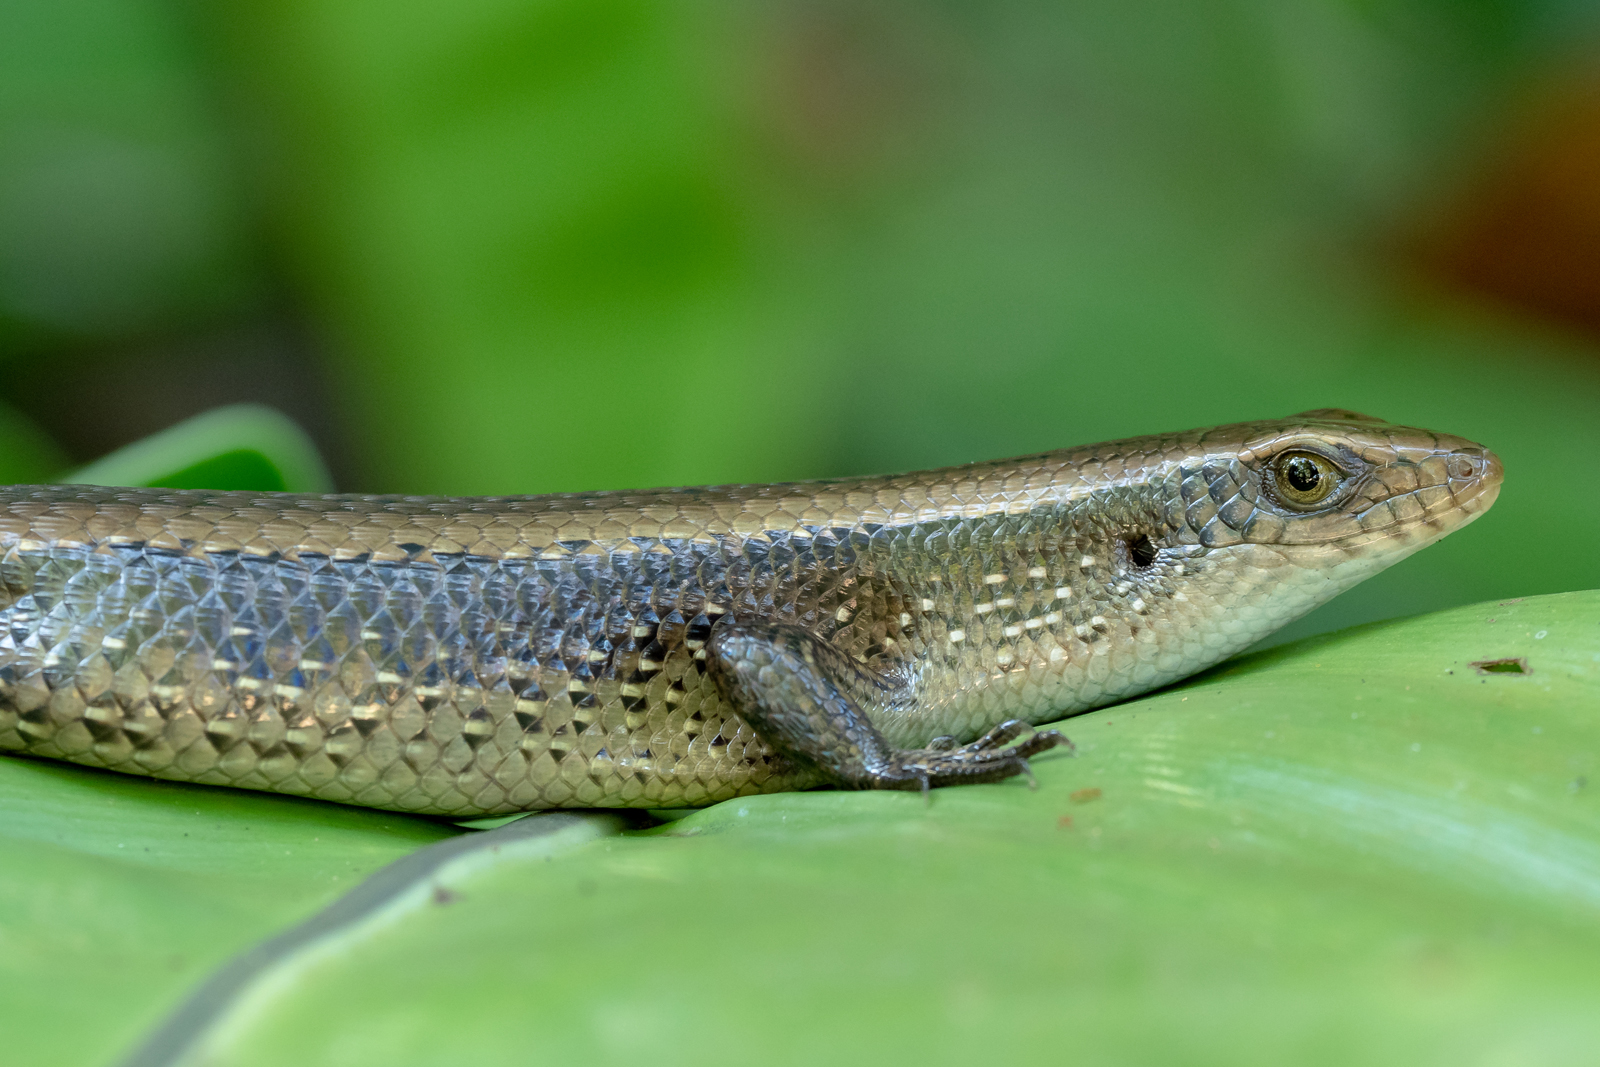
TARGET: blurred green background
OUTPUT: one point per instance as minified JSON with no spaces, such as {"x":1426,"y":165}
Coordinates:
{"x":513,"y":247}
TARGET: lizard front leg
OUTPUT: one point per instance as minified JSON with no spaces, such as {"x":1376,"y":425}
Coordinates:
{"x":806,"y":699}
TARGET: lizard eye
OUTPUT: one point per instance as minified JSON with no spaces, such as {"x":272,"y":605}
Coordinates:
{"x":1304,"y":479}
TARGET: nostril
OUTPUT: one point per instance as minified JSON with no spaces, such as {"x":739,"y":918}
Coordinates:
{"x":1463,"y":466}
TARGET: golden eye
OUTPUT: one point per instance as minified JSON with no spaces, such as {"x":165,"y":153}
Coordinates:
{"x":1304,"y":479}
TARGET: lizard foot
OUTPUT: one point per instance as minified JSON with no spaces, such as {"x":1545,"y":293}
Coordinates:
{"x":990,"y":758}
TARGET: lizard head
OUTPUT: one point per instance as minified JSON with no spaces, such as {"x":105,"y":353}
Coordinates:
{"x":1255,"y":524}
{"x":1332,"y":483}
{"x":1172,"y":552}
{"x":1267,"y":520}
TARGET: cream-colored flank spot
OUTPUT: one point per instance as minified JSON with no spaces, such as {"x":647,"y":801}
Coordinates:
{"x":1005,"y":658}
{"x":390,"y":678}
{"x":230,"y":725}
{"x":1063,"y":592}
{"x":290,"y":691}
{"x":1012,"y":631}
{"x":843,"y":614}
{"x":1006,"y":602}
{"x":252,"y":683}
{"x":905,"y":618}
{"x":596,"y":656}
{"x":1087,"y":561}
{"x":313,"y":665}
{"x":927,"y":605}
{"x":371,"y":635}
{"x":223,"y":665}
{"x":1139,"y":606}
{"x":631,"y":689}
{"x":642,"y":631}
{"x":958,"y":635}
{"x":1052,"y":618}
{"x":113,"y":642}
{"x":994,"y":579}
{"x":1098,"y":622}
{"x":240,"y":631}
{"x":983,"y":609}
{"x":1034,"y":623}
{"x":1036,"y":572}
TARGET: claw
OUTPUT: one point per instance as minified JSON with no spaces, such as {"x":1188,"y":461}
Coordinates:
{"x":927,"y":794}
{"x":1033,"y":783}
{"x":1042,"y":741}
{"x":1000,"y":735}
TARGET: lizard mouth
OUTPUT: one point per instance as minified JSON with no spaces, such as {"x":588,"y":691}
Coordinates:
{"x":1470,"y":484}
{"x":1475,"y":479}
{"x":1472,"y":480}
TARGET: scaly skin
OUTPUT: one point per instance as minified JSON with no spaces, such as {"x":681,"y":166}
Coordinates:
{"x":479,"y":656}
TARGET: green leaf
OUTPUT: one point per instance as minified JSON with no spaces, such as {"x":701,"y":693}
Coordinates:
{"x":242,"y":446}
{"x":1357,"y":848}
{"x":119,"y":893}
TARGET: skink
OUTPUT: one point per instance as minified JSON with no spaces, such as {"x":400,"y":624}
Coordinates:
{"x":671,"y":648}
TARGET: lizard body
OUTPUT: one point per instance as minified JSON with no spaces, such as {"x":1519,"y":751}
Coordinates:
{"x":677,"y":647}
